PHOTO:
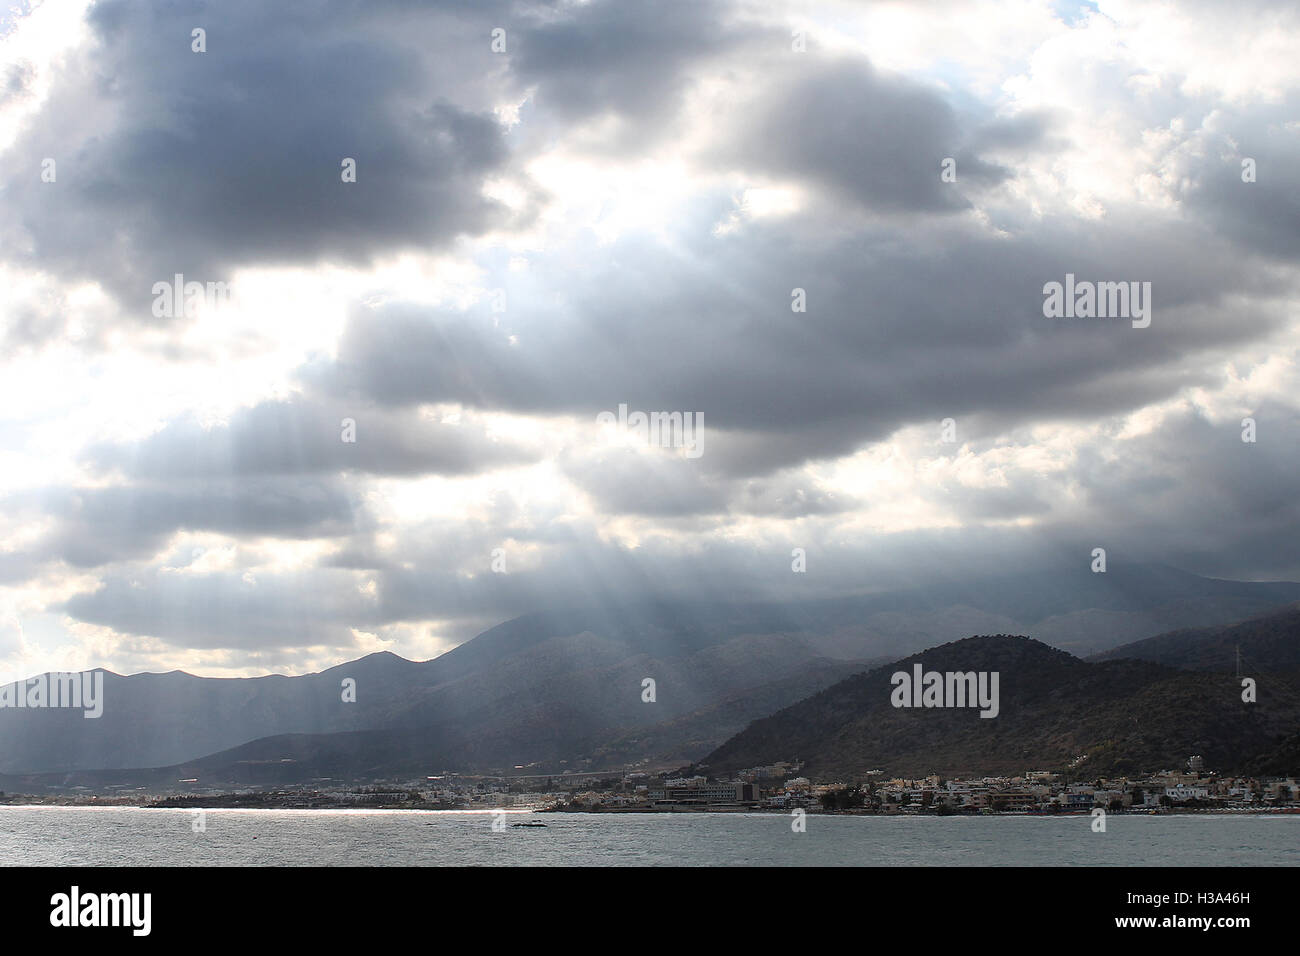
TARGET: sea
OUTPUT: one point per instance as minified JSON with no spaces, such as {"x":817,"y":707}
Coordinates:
{"x":135,"y":836}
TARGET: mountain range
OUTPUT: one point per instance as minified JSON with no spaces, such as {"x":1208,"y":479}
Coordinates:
{"x":563,"y":689}
{"x":1056,"y":712}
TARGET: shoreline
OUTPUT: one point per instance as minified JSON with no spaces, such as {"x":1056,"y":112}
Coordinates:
{"x":647,"y":811}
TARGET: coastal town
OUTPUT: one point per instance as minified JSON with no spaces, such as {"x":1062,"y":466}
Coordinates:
{"x":780,"y":787}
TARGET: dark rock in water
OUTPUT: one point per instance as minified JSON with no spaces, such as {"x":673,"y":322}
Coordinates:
{"x":528,"y":824}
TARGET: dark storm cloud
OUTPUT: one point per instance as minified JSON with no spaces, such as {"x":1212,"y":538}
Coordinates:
{"x":623,"y":481}
{"x":97,"y":526}
{"x":442,"y":574}
{"x":667,"y":485}
{"x":862,"y":137}
{"x":899,"y":329}
{"x":632,"y":61}
{"x":305,"y":437}
{"x":1025,"y":132}
{"x":1194,"y":493}
{"x":203,"y":163}
{"x":171,"y":161}
{"x":440,"y":570}
{"x":448,"y":579}
{"x":1189,"y":493}
{"x":226,"y":610}
{"x":175,"y":161}
{"x":1263,"y":215}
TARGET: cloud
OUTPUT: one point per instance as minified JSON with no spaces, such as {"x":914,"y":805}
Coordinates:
{"x":238,"y":612}
{"x":634,"y":62}
{"x":865,"y":138}
{"x":90,"y":527}
{"x":647,"y":184}
{"x":307,"y":437}
{"x":899,"y":328}
{"x":1261,"y":215}
{"x":171,"y":161}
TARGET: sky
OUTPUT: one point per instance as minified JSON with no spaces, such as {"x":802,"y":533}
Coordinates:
{"x":822,"y":231}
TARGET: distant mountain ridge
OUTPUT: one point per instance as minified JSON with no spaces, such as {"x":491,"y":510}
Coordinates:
{"x":562,"y":688}
{"x":545,"y":697}
{"x":1120,"y":716}
{"x":1270,"y":640}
